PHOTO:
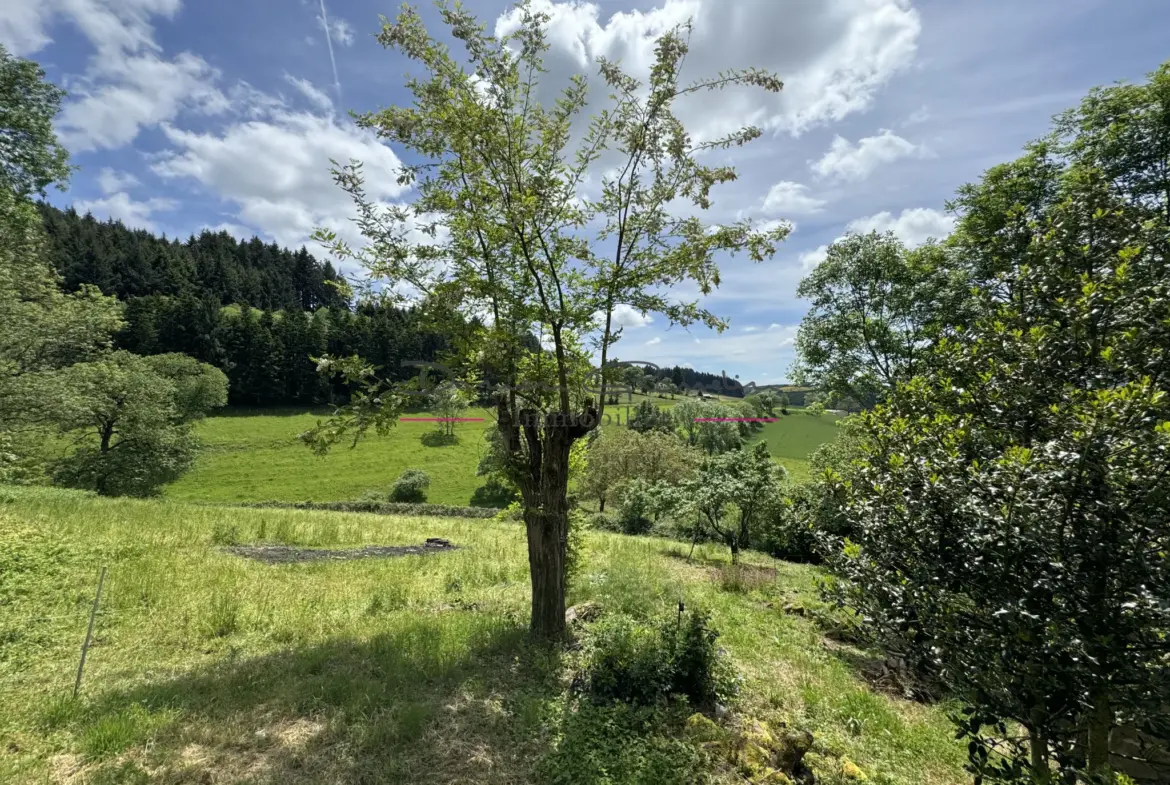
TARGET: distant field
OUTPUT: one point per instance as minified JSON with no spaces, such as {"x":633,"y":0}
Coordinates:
{"x":255,"y":456}
{"x":793,"y":439}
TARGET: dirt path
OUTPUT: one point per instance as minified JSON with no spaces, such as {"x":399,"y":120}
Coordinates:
{"x":290,"y":554}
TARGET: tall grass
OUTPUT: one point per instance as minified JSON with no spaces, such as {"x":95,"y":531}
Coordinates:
{"x":211,"y":667}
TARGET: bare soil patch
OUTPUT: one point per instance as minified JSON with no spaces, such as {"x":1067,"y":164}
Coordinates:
{"x":290,"y":554}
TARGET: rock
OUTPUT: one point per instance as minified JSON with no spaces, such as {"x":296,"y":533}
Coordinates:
{"x":721,"y":711}
{"x":790,"y":750}
{"x":583,"y":613}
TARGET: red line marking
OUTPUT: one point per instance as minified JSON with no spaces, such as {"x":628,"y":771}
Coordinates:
{"x":737,"y":419}
{"x":440,"y":419}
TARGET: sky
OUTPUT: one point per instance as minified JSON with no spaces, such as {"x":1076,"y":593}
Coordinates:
{"x":224,"y":114}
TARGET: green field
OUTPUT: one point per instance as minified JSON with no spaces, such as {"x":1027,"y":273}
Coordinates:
{"x":793,"y":438}
{"x":211,"y":668}
{"x":252,"y":456}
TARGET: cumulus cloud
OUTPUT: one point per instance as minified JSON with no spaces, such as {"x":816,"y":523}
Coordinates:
{"x":912,"y":226}
{"x":112,"y":181}
{"x":275,"y":171}
{"x":833,"y":55}
{"x":128,"y":84}
{"x":627,"y":317}
{"x":316,"y":98}
{"x":847,"y":161}
{"x":789,"y":197}
{"x":125,"y":94}
{"x":654,"y":341}
{"x":810,"y":259}
{"x":121,"y":207}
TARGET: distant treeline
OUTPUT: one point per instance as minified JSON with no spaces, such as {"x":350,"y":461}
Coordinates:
{"x":212,"y":266}
{"x":253,"y":309}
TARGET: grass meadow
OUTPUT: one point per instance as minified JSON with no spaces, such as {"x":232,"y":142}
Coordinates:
{"x":255,"y":456}
{"x":209,"y":668}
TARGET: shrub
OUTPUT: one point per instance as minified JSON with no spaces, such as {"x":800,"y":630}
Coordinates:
{"x":646,"y":664}
{"x":411,"y":486}
{"x":494,"y":493}
{"x":634,"y":516}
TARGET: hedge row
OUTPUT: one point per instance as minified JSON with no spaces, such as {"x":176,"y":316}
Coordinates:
{"x":385,"y":508}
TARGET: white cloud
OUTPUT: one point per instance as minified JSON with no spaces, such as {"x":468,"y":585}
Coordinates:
{"x":789,"y":197}
{"x":111,"y":25}
{"x":121,"y":207}
{"x":654,"y":341}
{"x":317,"y":98}
{"x":127,"y":84}
{"x":340,"y":31}
{"x":912,"y":226}
{"x":276,"y":171}
{"x":750,"y":329}
{"x":810,"y":259}
{"x":124,"y":94}
{"x":919,"y":115}
{"x":833,"y":55}
{"x":847,"y":161}
{"x":112,"y":181}
{"x":625,"y":316}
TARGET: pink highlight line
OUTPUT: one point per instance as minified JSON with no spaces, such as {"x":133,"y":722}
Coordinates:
{"x":737,"y":419}
{"x":440,"y":419}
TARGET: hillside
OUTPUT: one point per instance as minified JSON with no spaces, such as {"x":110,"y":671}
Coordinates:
{"x":209,"y":667}
{"x":255,"y":456}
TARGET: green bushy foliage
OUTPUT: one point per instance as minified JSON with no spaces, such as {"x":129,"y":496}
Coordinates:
{"x":411,"y":486}
{"x":642,"y":664}
{"x":634,"y":517}
{"x":494,"y":493}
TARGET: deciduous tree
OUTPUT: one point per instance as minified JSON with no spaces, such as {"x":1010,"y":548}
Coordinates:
{"x":500,"y":229}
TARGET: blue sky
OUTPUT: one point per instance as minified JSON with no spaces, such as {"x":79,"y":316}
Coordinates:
{"x":184,"y":115}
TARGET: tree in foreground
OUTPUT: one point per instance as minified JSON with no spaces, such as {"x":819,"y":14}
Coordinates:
{"x":500,"y":232}
{"x":44,"y":329}
{"x":1011,"y":511}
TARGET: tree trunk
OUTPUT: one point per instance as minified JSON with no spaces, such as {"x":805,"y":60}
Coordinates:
{"x":734,"y":551}
{"x":1100,"y":727}
{"x":601,"y":504}
{"x":1038,"y":751}
{"x":543,"y":479}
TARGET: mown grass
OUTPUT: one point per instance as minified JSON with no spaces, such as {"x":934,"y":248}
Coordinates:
{"x":793,"y":438}
{"x":212,"y":668}
{"x":255,"y":456}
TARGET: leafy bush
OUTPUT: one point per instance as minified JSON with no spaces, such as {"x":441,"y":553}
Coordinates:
{"x":411,"y":486}
{"x":640,"y":664}
{"x":494,"y":493}
{"x":634,"y":516}
{"x":647,"y":417}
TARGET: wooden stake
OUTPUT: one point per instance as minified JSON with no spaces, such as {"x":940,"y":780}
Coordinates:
{"x":89,"y":631}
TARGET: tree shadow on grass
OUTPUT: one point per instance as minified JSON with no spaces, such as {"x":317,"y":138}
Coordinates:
{"x":438,"y":439}
{"x":423,"y":704}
